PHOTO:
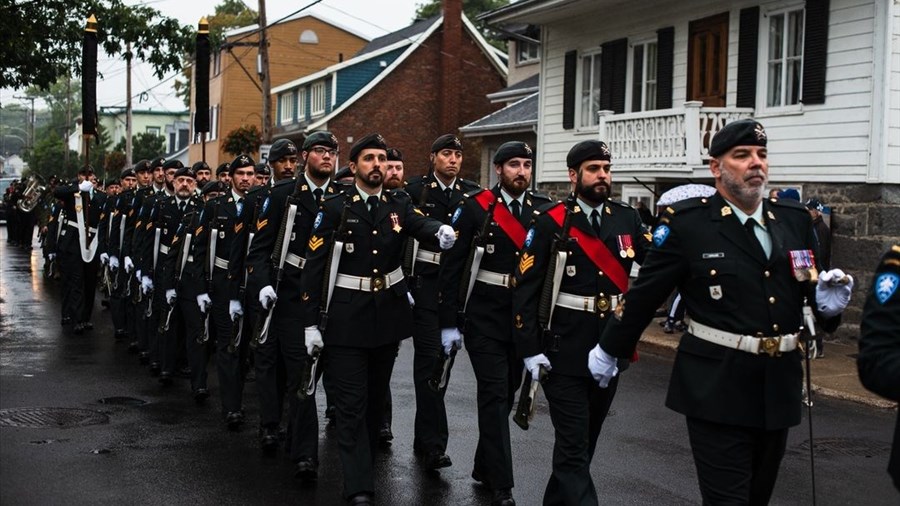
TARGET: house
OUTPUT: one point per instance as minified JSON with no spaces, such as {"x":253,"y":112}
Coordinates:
{"x":299,"y":45}
{"x":656,"y":80}
{"x":411,"y":86}
{"x":171,"y":126}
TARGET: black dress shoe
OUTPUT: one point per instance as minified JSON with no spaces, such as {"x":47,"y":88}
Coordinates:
{"x":306,"y":471}
{"x":133,"y":347}
{"x":154,"y":368}
{"x":436,"y":460}
{"x":120,"y":335}
{"x":385,"y":436}
{"x":66,"y":321}
{"x":184,"y":372}
{"x":79,"y":329}
{"x":268,"y":439}
{"x":502,"y":497}
{"x":200,"y":395}
{"x":144,"y":357}
{"x":104,"y":302}
{"x":234,"y":420}
{"x":165,"y":378}
{"x":360,"y":499}
{"x":480,"y":478}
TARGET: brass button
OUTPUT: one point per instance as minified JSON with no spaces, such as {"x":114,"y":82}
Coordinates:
{"x":767,"y":274}
{"x":375,"y":271}
{"x":378,"y":283}
{"x":775,"y":327}
{"x":771,"y":300}
{"x":349,"y":232}
{"x":599,"y":273}
{"x":374,"y":232}
{"x":374,"y":251}
{"x":712,"y":272}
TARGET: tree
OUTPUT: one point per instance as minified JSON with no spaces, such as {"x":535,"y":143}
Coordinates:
{"x":114,"y":163}
{"x":472,"y":9}
{"x":144,"y":146}
{"x":47,"y":38}
{"x":244,"y":139}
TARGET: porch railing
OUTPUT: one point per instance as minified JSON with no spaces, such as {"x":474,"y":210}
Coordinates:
{"x":667,"y":136}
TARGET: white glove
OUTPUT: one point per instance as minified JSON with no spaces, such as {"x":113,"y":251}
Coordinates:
{"x":534,"y":363}
{"x":138,"y":274}
{"x":451,"y":339}
{"x":51,"y":256}
{"x":170,"y":296}
{"x":204,"y":302}
{"x":104,"y":258}
{"x":235,"y":309}
{"x":833,"y":292}
{"x":602,"y":366}
{"x":267,"y":296}
{"x":129,"y":265}
{"x":85,"y":186}
{"x":412,"y":301}
{"x":313,"y":339}
{"x":146,"y":285}
{"x":446,"y":236}
{"x":113,"y":263}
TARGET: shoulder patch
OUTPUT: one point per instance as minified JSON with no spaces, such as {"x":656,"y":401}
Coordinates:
{"x":529,"y":237}
{"x":265,"y":207}
{"x":456,"y":215}
{"x":660,"y":235}
{"x":318,"y":221}
{"x":886,"y":286}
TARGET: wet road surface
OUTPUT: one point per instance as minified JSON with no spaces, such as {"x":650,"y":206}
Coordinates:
{"x":173,"y":452}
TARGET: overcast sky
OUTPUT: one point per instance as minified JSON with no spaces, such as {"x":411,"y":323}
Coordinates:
{"x":372,"y":18}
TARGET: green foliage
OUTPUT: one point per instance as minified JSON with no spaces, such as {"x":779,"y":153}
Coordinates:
{"x":244,"y":139}
{"x":114,"y":163}
{"x":144,"y":146}
{"x":48,"y":157}
{"x":472,"y":9}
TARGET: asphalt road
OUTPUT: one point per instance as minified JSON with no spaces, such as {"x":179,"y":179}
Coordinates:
{"x":170,"y":451}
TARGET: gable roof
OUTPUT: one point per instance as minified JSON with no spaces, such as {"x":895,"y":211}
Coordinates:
{"x":407,"y":33}
{"x":522,"y":88}
{"x":516,"y":117}
{"x":306,"y":14}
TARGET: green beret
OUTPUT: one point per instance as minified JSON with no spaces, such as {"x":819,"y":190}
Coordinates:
{"x":201,"y":165}
{"x":394,"y":155}
{"x":142,"y":166}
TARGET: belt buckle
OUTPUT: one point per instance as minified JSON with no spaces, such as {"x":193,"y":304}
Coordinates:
{"x":377,"y":283}
{"x":602,"y":303}
{"x":770,"y":346}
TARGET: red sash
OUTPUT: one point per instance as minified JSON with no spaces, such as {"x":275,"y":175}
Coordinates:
{"x":505,"y":220}
{"x":596,"y":250}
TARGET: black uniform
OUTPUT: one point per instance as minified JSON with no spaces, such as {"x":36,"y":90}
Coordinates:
{"x":879,"y":342}
{"x":730,"y":397}
{"x":431,"y":415}
{"x":364,"y":325}
{"x":594,"y":276}
{"x":111,"y":234}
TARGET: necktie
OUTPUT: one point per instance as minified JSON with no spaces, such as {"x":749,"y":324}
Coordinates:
{"x":181,"y":206}
{"x":516,"y":208}
{"x":449,"y":193}
{"x":318,"y":194}
{"x":595,"y":221}
{"x":372,"y":202}
{"x":750,"y":225}
{"x":240,"y":205}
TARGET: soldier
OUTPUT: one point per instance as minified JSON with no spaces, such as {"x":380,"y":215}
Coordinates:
{"x":746,"y":271}
{"x":879,"y":342}
{"x":77,"y":248}
{"x":436,"y":194}
{"x":584,"y":249}
{"x":305,"y":192}
{"x":223,"y":173}
{"x":213,"y":190}
{"x":365,"y":313}
{"x":112,"y":234}
{"x":204,"y":174}
{"x":263,"y":174}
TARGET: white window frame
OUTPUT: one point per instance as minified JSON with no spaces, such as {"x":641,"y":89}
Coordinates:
{"x":286,"y":107}
{"x":213,"y":123}
{"x":530,"y":56}
{"x":762,"y":82}
{"x":317,"y":98}
{"x":155,"y":130}
{"x":301,"y":105}
{"x":589,"y":120}
{"x":645,"y":83}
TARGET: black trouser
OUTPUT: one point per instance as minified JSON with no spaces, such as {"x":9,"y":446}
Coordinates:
{"x":117,"y":301}
{"x":89,"y":278}
{"x":359,"y":379}
{"x":26,"y":228}
{"x":72,"y":272}
{"x":284,"y":343}
{"x":578,"y":407}
{"x":498,"y":373}
{"x":228,"y":364}
{"x":197,"y":355}
{"x":431,"y":414}
{"x":735,"y":465}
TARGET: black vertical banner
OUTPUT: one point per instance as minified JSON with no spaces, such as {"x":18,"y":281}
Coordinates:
{"x":201,"y":79}
{"x":89,"y":78}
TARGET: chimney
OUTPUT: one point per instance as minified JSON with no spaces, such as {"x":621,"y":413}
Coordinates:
{"x":451,"y":65}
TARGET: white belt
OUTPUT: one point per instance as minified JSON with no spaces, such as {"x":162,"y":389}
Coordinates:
{"x":599,"y":304}
{"x":163,"y":249}
{"x":429,"y":257}
{"x":367,"y":284}
{"x":73,"y":224}
{"x":492,"y":278}
{"x":221,"y":263}
{"x":773,"y":346}
{"x":295,"y":260}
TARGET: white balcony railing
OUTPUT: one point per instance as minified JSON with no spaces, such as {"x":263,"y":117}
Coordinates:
{"x":668,"y":136}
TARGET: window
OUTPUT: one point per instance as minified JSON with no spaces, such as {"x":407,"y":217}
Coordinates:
{"x":643,"y":77}
{"x":172,"y":142}
{"x":784,"y":65}
{"x":153,"y":130}
{"x":213,"y":123}
{"x":527,"y":52}
{"x":286,"y":104}
{"x":309,"y":37}
{"x":301,"y":104}
{"x":317,"y":98}
{"x":590,"y":89}
{"x":217,"y":63}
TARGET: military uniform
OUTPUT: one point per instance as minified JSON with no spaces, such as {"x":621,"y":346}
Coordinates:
{"x":112,"y":235}
{"x":879,"y":342}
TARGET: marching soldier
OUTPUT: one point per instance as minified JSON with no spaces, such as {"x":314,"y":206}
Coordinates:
{"x":77,"y":248}
{"x":477,"y":303}
{"x":204,"y":174}
{"x":357,"y":240}
{"x":589,"y":242}
{"x":745,"y":268}
{"x":263,"y":174}
{"x":879,"y":342}
{"x":436,"y":194}
{"x":113,"y":234}
{"x":223,"y":173}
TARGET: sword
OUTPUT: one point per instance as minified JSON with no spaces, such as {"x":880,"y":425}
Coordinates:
{"x":526,"y":407}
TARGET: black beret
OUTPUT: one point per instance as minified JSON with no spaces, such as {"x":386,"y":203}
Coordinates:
{"x":323,"y":138}
{"x":587,"y":150}
{"x":743,"y":132}
{"x":342,"y":173}
{"x":223,"y":167}
{"x":142,"y":166}
{"x":157,"y":162}
{"x":201,"y":165}
{"x":514,"y":149}
{"x":240,"y":162}
{"x":214,"y":186}
{"x":173,"y":164}
{"x":814,"y":203}
{"x":128,"y":173}
{"x":185,"y":172}
{"x":282,"y":148}
{"x":394,"y":155}
{"x":371,"y":141}
{"x":446,"y":141}
{"x":86,"y":170}
{"x":113,"y":182}
{"x":262,"y":169}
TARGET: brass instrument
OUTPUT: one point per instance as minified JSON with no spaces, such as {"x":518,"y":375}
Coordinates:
{"x":31,"y":197}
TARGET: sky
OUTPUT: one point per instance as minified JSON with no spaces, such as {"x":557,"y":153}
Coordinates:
{"x":372,"y":18}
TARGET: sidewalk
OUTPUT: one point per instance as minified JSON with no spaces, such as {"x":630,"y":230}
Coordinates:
{"x":833,"y":376}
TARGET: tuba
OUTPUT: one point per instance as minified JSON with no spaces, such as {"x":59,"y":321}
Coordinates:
{"x":32,"y":194}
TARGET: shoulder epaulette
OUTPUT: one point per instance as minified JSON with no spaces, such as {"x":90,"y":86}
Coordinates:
{"x":620,"y":203}
{"x":398,"y":193}
{"x":468,"y":185}
{"x":473,"y":193}
{"x":788,"y":204}
{"x":284,"y":182}
{"x":257,"y":189}
{"x":539,"y":196}
{"x":686,"y":204}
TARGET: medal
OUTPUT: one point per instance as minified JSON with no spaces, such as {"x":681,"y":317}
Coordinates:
{"x":803,"y":265}
{"x":395,"y":221}
{"x":630,"y":252}
{"x":626,"y":250}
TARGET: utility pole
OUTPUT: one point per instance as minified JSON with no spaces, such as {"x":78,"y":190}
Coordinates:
{"x":128,"y":162}
{"x":68,"y":118}
{"x":262,"y":69}
{"x":32,"y":99}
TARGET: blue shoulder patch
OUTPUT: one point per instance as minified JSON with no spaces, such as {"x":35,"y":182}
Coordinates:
{"x":265,"y":206}
{"x":886,"y":286}
{"x":456,"y":215}
{"x":660,"y":235}
{"x":529,"y":237}
{"x":318,"y":221}
{"x":240,"y":208}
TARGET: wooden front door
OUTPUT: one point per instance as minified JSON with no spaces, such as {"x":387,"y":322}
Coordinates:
{"x":708,"y":60}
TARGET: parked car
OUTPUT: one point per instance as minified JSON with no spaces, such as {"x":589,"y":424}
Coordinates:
{"x":4,"y":184}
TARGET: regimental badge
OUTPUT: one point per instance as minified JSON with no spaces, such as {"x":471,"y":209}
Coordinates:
{"x":519,"y":323}
{"x":803,"y":264}
{"x":395,"y":223}
{"x":293,"y":236}
{"x":456,"y":215}
{"x":715,"y":292}
{"x":529,"y":237}
{"x":221,"y":234}
{"x":349,"y":247}
{"x":489,"y":248}
{"x":726,"y":211}
{"x":315,"y":242}
{"x":760,"y":132}
{"x":607,"y":209}
{"x":318,"y":221}
{"x":886,"y":286}
{"x":770,"y":215}
{"x":660,"y":235}
{"x":570,"y":270}
{"x":527,"y":262}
